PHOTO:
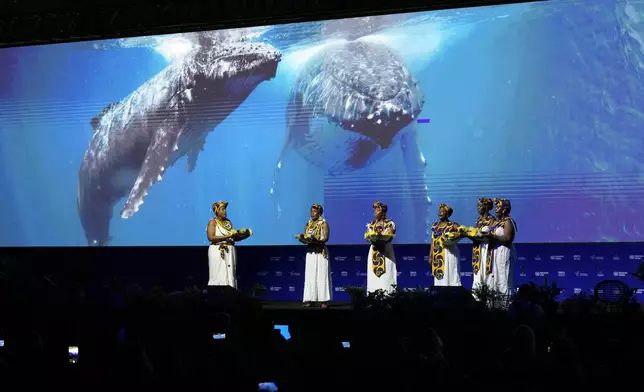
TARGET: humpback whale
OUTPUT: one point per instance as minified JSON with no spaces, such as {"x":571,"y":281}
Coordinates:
{"x":352,"y":103}
{"x":136,"y":139}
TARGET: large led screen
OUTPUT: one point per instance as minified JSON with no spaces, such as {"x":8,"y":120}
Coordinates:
{"x":130,"y":141}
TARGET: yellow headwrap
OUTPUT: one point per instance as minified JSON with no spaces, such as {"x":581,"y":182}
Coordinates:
{"x":447,"y":208}
{"x":382,"y":206}
{"x":487,"y":203}
{"x":219,"y":205}
{"x":318,"y":207}
{"x":503,"y":203}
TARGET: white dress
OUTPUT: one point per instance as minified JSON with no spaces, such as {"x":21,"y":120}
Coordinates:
{"x":447,"y":272}
{"x":503,"y":265}
{"x":222,"y":261}
{"x":317,"y":272}
{"x":389,"y":278}
{"x":482,"y":276}
{"x":452,"y":275}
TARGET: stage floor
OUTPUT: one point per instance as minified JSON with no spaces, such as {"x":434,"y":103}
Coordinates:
{"x":296,"y":305}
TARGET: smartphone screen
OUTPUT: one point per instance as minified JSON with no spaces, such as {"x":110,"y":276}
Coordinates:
{"x":73,"y":354}
{"x":284,"y":331}
{"x":268,"y":386}
{"x":346,"y":344}
{"x":219,"y":336}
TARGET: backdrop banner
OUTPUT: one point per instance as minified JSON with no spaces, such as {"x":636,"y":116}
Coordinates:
{"x":576,"y":268}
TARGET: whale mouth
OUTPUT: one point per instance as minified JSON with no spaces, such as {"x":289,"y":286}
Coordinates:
{"x":379,"y":127}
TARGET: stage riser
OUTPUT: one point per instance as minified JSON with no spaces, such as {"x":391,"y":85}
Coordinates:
{"x":575,"y":267}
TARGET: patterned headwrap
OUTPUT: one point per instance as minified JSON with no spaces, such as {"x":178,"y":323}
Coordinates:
{"x":318,"y":207}
{"x":219,"y":205}
{"x":382,"y":206}
{"x":487,"y":203}
{"x":447,"y":208}
{"x":503,"y":203}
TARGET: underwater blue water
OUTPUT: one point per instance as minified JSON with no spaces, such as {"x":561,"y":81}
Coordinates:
{"x":541,"y":103}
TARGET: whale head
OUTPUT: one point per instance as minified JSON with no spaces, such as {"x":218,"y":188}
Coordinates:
{"x":350,"y":104}
{"x":240,"y":65}
{"x":363,"y":87}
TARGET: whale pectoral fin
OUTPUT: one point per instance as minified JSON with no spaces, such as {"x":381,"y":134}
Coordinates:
{"x":193,"y":154}
{"x":415,"y":166}
{"x":164,"y":142}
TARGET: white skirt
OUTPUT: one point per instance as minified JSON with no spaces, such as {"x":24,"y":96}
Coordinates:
{"x":387,"y":280}
{"x":317,"y":278}
{"x":222,"y":271}
{"x":452,"y":268}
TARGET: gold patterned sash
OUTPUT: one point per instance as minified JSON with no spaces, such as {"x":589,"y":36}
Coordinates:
{"x":378,"y":260}
{"x":226,"y":228}
{"x":314,"y":231}
{"x":439,"y":236}
{"x":481,"y":222}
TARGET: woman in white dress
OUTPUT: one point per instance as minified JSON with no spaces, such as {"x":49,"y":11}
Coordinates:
{"x":222,"y":256}
{"x":381,"y":262}
{"x":481,"y":257}
{"x":505,"y":255}
{"x":443,"y":251}
{"x":317,"y":272}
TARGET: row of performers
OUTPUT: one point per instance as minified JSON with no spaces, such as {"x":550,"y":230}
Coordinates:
{"x":493,"y":252}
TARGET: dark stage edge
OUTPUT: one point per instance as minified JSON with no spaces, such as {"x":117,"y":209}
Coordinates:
{"x":290,"y":312}
{"x":297,"y":306}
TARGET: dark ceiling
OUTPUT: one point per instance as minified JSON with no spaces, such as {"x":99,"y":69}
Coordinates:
{"x":28,"y":23}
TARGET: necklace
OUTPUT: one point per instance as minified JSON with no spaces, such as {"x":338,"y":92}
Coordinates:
{"x":224,"y":224}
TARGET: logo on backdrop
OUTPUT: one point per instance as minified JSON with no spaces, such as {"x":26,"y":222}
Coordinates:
{"x":262,"y":273}
{"x":556,"y":257}
{"x":275,"y":258}
{"x":275,"y":289}
{"x":413,"y":273}
{"x":295,"y":273}
{"x":599,"y":271}
{"x":576,"y":257}
{"x":360,"y":273}
{"x":278,"y":273}
{"x":537,"y":257}
{"x":636,"y":257}
{"x":291,"y":289}
{"x":541,"y":273}
{"x":409,"y":258}
{"x":340,"y":258}
{"x":620,"y":274}
{"x":581,"y":274}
